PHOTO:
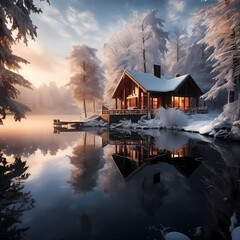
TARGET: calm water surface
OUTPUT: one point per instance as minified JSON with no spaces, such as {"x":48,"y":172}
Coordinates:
{"x":100,"y":184}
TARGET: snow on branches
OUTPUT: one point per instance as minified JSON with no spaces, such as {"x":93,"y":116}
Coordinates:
{"x":223,"y":34}
{"x":15,"y":25}
{"x":87,"y":76}
{"x":137,"y":46}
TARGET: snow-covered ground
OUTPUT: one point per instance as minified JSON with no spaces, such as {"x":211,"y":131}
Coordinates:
{"x":202,"y":123}
{"x":216,"y":124}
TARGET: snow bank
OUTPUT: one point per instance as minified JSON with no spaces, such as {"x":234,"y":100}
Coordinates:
{"x":226,"y":124}
{"x":95,"y":123}
{"x":201,"y":123}
{"x":171,"y":117}
{"x":214,"y":124}
{"x":165,"y":118}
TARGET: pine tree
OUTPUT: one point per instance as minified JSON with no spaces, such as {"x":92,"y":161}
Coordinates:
{"x":150,"y":37}
{"x":223,"y":33}
{"x":14,"y":20}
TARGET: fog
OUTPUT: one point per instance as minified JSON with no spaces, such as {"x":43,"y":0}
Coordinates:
{"x":49,"y":99}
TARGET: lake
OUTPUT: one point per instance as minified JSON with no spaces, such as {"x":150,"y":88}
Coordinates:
{"x":101,"y":184}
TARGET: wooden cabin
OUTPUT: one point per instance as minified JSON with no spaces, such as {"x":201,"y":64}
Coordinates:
{"x":145,"y":91}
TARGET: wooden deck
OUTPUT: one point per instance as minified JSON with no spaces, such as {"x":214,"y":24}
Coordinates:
{"x":124,"y":111}
{"x":115,"y":115}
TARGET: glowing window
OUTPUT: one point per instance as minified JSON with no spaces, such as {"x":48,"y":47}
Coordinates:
{"x":186,"y":103}
{"x":155,"y":103}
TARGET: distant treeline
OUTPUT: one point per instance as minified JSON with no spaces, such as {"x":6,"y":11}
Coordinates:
{"x":48,"y":99}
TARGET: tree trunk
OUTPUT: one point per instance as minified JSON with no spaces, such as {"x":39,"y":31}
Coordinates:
{"x":178,"y":55}
{"x":144,"y":51}
{"x":93,"y":105}
{"x":84,"y":102}
{"x":84,"y":107}
{"x":231,"y":95}
{"x":144,"y":60}
{"x":238,"y":96}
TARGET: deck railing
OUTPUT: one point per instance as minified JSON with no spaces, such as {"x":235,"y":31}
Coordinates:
{"x":203,"y":109}
{"x":124,"y":111}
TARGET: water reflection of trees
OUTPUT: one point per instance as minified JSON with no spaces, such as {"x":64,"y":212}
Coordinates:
{"x":13,"y":201}
{"x":87,"y":160}
{"x":222,"y":190}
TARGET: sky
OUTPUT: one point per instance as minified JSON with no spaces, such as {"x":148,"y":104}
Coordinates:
{"x":66,"y":23}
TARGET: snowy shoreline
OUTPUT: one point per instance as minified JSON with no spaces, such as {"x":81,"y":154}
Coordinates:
{"x":212,"y":124}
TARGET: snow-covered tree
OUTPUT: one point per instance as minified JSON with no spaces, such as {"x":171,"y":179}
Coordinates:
{"x":15,"y":25}
{"x":151,"y":37}
{"x":117,"y":55}
{"x":87,"y":76}
{"x":223,"y":33}
{"x":196,"y":61}
{"x":177,"y":51}
{"x":177,"y":41}
{"x":137,"y":46}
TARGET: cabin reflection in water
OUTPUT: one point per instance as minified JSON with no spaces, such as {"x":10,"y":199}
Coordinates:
{"x":133,"y":155}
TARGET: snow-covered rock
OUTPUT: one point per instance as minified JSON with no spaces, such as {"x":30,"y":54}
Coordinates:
{"x":236,"y":124}
{"x":175,"y":236}
{"x":236,"y":233}
{"x":224,"y":125}
{"x":95,"y":123}
{"x":233,"y":221}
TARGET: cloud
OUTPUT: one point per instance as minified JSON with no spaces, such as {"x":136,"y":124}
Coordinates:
{"x":175,"y":7}
{"x":68,"y":27}
{"x":55,"y":20}
{"x":82,"y":22}
{"x":58,"y":30}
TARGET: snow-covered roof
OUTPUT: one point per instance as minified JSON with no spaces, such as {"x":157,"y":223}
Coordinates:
{"x":154,"y":84}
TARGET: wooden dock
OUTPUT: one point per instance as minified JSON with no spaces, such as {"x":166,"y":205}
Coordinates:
{"x":67,"y":125}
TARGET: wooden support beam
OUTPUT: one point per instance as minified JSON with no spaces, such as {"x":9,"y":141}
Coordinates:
{"x":125,"y":98}
{"x":139,"y":97}
{"x":148,"y":105}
